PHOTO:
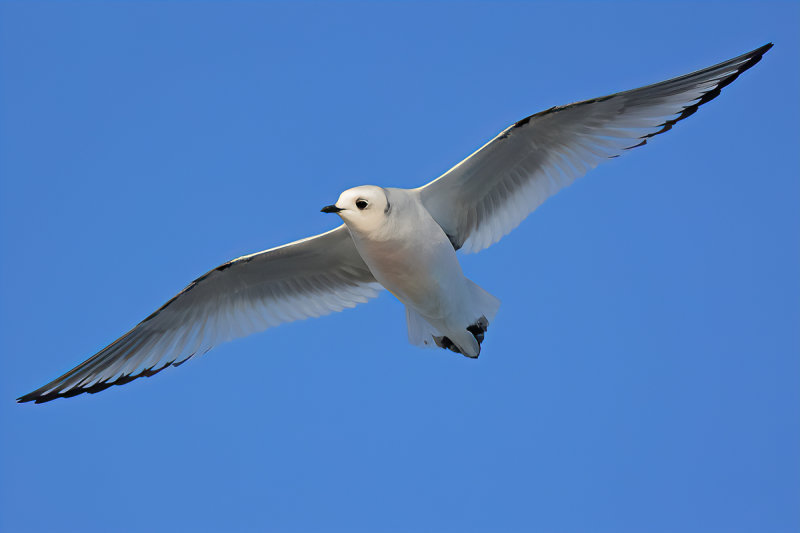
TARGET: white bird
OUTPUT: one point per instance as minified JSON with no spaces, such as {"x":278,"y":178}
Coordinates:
{"x":404,"y":240}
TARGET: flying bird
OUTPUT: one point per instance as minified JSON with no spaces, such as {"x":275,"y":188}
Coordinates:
{"x":404,"y":240}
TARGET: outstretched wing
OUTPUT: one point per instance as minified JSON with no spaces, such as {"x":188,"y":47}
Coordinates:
{"x":488,"y":194}
{"x":307,"y":278}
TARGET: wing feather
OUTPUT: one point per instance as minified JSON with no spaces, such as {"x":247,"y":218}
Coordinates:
{"x":487,"y":195}
{"x":307,"y":278}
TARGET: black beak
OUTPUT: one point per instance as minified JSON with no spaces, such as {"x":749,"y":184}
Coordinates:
{"x":331,"y":209}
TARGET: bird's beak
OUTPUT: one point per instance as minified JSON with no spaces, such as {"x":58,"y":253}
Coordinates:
{"x":331,"y":209}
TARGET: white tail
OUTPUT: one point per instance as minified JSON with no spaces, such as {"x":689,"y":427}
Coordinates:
{"x":480,"y":310}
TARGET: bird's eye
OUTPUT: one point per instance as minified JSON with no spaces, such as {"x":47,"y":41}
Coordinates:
{"x":361,"y":204}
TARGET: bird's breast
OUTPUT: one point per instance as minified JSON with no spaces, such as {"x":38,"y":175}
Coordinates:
{"x":415,"y":261}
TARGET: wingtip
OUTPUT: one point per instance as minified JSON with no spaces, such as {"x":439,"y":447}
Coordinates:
{"x":763,"y":49}
{"x":48,"y":393}
{"x":31,"y":396}
{"x":35,"y":397}
{"x":757,"y":54}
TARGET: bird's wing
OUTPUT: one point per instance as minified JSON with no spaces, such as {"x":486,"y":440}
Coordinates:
{"x":488,"y":194}
{"x":307,"y":278}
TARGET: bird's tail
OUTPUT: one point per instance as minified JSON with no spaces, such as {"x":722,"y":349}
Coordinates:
{"x":465,"y":338}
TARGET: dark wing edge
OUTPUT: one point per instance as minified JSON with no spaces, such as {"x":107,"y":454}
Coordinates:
{"x":750,"y":59}
{"x":493,"y":190}
{"x":310,"y":277}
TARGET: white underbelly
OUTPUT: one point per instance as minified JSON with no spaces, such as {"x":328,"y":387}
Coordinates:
{"x":423,"y":273}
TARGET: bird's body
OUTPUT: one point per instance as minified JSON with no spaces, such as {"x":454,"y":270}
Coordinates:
{"x":409,"y":254}
{"x":404,"y":240}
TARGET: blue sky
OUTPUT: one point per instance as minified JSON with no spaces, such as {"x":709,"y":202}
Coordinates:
{"x":643,"y":371}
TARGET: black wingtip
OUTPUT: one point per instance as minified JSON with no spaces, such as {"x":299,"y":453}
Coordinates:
{"x":30,"y":397}
{"x":39,"y":396}
{"x":751,"y":59}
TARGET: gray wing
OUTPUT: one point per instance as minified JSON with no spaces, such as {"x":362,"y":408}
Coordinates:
{"x":307,"y":278}
{"x":488,"y":194}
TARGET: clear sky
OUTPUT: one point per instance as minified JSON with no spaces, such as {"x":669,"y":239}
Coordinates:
{"x":643,"y":372}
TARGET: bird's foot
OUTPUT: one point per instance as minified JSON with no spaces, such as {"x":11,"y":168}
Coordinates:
{"x":446,"y":343}
{"x":479,"y":328}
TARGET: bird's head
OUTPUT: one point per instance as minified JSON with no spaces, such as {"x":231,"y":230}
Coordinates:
{"x":363,"y":208}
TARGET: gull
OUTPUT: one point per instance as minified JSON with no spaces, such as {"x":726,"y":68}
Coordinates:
{"x":403,"y":240}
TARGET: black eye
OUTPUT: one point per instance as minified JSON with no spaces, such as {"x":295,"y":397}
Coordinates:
{"x":361,"y":204}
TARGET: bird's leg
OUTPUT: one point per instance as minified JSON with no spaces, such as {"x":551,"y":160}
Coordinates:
{"x":479,"y":328}
{"x":446,"y":343}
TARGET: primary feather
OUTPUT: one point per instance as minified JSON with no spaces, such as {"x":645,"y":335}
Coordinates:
{"x":487,"y":195}
{"x":307,"y":278}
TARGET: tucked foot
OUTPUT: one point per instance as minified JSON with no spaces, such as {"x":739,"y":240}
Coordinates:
{"x":479,"y":328}
{"x":447,"y":344}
